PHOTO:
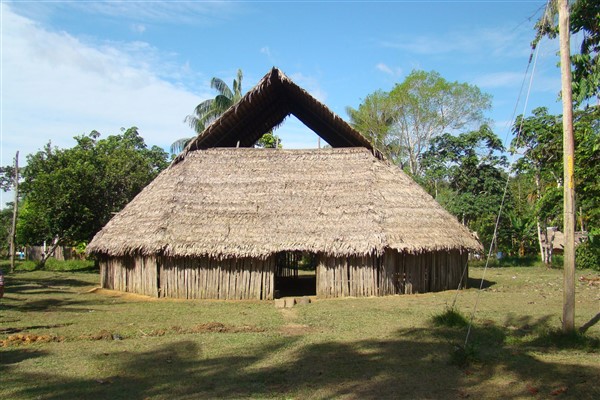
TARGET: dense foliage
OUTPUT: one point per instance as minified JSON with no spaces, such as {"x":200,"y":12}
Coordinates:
{"x":69,"y":194}
{"x":584,"y":21}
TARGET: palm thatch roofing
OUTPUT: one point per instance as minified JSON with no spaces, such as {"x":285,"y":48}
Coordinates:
{"x":237,"y":201}
{"x":266,"y":106}
{"x":246,"y":202}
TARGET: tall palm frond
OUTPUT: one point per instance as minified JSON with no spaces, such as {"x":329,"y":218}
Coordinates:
{"x":210,"y":110}
{"x":178,"y":145}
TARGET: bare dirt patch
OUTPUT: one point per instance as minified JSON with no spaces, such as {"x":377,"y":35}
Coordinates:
{"x":29,"y":338}
{"x":211,"y":327}
{"x":291,"y":328}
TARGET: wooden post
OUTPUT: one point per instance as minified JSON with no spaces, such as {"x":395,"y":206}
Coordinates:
{"x":13,"y":232}
{"x":568,"y":322}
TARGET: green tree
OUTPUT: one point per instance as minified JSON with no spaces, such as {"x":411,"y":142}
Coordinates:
{"x":373,"y":119}
{"x":69,"y":194}
{"x":538,"y":139}
{"x":423,"y":106}
{"x":6,"y":216}
{"x":586,"y":127}
{"x":584,"y":20}
{"x":269,"y":141}
{"x":7,"y":177}
{"x":465,"y":172}
{"x":521,"y":213}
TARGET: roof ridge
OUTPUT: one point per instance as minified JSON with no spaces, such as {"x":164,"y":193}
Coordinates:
{"x":266,"y":106}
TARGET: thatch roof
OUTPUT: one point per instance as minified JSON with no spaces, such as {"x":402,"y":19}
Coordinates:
{"x":556,"y":238}
{"x":265,"y":107}
{"x":254,"y":202}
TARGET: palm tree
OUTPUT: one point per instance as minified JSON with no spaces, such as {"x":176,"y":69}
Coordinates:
{"x":209,"y":110}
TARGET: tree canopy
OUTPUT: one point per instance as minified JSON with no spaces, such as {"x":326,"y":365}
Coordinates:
{"x":402,"y":122}
{"x":584,"y":20}
{"x":466,"y":174}
{"x":69,"y":194}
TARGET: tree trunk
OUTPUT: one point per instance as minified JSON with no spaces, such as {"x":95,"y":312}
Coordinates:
{"x":13,"y":232}
{"x":48,"y":253}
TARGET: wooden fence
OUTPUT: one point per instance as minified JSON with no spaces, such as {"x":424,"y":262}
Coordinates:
{"x":61,"y":253}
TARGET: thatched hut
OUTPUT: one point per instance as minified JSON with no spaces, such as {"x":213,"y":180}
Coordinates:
{"x":227,"y":221}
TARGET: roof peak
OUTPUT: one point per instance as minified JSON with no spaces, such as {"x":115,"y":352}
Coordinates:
{"x":265,"y":107}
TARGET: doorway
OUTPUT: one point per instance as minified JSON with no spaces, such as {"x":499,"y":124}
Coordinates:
{"x":295,"y":274}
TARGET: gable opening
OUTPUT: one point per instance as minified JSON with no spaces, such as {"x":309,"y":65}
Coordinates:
{"x":295,"y":274}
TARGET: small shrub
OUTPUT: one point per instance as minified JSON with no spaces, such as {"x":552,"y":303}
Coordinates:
{"x":451,"y":317}
{"x":587,"y":255}
{"x":463,"y":356}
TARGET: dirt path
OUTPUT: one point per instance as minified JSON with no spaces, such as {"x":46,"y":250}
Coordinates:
{"x":292,"y":328}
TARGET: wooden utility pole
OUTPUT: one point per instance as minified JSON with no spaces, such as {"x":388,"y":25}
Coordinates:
{"x":568,"y":322}
{"x":13,"y":232}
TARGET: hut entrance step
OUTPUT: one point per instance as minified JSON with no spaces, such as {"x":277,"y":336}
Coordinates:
{"x":289,"y":302}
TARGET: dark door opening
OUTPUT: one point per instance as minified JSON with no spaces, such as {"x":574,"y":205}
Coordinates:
{"x":295,"y":274}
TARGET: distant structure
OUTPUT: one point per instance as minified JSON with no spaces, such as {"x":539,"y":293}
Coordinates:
{"x":556,"y":239}
{"x":228,"y":221}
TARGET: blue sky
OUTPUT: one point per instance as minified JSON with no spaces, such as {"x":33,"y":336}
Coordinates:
{"x":69,"y":67}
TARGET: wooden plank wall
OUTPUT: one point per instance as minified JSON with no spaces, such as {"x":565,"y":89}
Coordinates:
{"x":205,"y":278}
{"x":287,"y":264}
{"x":247,"y":278}
{"x":187,"y":278}
{"x":352,"y":276}
{"x":130,"y":274}
{"x":392,"y":273}
{"x":420,"y":273}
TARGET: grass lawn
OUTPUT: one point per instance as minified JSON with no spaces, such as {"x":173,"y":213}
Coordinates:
{"x":64,"y":340}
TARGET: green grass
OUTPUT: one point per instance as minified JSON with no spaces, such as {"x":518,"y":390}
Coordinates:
{"x":105,"y":345}
{"x":511,"y":261}
{"x":52,"y":265}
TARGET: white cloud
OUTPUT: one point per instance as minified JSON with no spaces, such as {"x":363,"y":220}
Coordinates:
{"x":394,"y":72}
{"x":190,"y":12}
{"x":138,"y":28}
{"x":495,"y":42}
{"x":55,"y":87}
{"x":543,"y":81}
{"x":266,"y":51}
{"x":499,"y":79}
{"x":310,"y":84}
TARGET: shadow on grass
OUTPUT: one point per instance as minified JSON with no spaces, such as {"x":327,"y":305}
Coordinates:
{"x":412,"y":364}
{"x":53,"y":293}
{"x":10,"y":331}
{"x":15,"y":283}
{"x":475,"y":283}
{"x":14,"y":356}
{"x":50,"y":305}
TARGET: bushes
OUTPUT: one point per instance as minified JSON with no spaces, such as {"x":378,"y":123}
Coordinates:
{"x":587,"y":254}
